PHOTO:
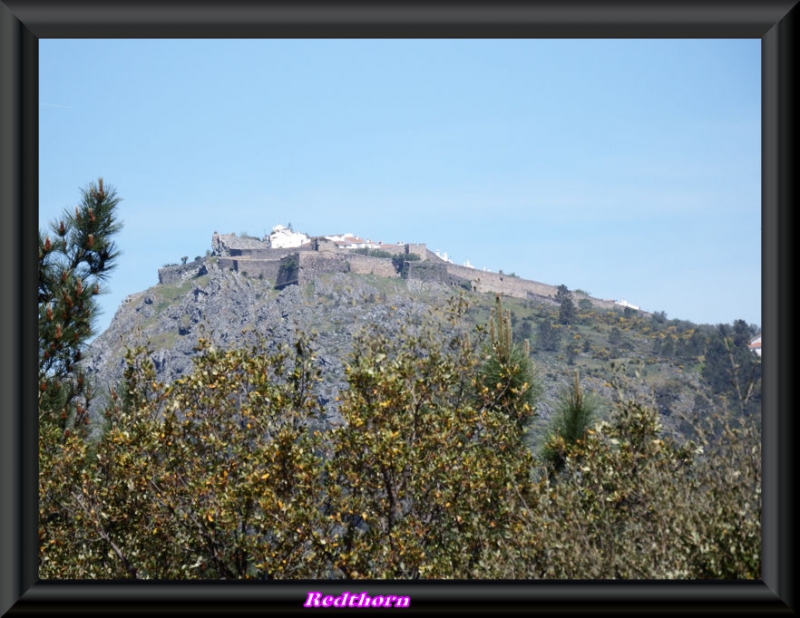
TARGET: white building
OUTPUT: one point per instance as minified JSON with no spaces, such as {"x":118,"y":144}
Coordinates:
{"x":755,"y":345}
{"x":443,"y":256}
{"x":624,"y":303}
{"x":351,"y":241}
{"x":284,"y":238}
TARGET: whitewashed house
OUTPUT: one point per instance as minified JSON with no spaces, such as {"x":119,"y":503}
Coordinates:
{"x":351,"y":241}
{"x":284,"y":238}
{"x":755,"y":345}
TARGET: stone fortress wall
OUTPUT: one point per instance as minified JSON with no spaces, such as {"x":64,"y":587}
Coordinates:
{"x":252,"y":267}
{"x":181,"y":272}
{"x":366,"y":265}
{"x":317,"y":256}
{"x":314,"y":265}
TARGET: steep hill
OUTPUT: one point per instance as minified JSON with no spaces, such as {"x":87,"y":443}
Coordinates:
{"x":616,"y":350}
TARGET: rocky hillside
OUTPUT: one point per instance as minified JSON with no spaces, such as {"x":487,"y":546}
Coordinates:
{"x":228,"y":308}
{"x":615,"y":351}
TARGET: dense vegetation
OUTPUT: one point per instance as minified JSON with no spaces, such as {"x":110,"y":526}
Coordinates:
{"x":438,"y":468}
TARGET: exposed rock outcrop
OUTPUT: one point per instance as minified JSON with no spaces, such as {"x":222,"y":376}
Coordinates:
{"x":229,"y":308}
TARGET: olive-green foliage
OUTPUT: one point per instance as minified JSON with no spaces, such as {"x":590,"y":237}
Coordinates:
{"x":426,"y":465}
{"x":400,"y":263}
{"x":731,"y":369}
{"x":572,"y":351}
{"x":227,"y":473}
{"x":215,"y":476}
{"x":562,"y":293}
{"x":567,"y":313}
{"x":220,"y":474}
{"x":507,"y":371}
{"x":289,"y":269}
{"x":576,"y":412}
{"x":75,"y":257}
{"x":548,"y":336}
{"x":632,"y":504}
{"x":379,"y":253}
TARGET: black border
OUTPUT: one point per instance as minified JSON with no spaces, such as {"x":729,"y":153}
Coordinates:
{"x":23,"y":23}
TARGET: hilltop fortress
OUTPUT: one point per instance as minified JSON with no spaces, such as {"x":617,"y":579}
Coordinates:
{"x":285,"y":257}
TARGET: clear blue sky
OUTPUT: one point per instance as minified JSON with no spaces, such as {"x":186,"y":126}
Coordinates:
{"x":626,"y":168}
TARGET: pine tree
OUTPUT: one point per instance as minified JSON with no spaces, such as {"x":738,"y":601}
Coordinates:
{"x":567,"y":313}
{"x":508,"y":373}
{"x":75,"y":256}
{"x":562,"y":293}
{"x":574,"y":416}
{"x":549,"y":337}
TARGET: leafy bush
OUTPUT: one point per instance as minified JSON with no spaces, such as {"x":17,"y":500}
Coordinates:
{"x":215,"y":476}
{"x":231,"y":472}
{"x":631,"y":503}
{"x":400,"y":262}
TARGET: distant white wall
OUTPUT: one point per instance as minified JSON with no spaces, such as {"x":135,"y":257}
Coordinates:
{"x":284,"y":238}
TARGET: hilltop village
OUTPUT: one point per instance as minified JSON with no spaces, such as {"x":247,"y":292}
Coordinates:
{"x":285,"y":257}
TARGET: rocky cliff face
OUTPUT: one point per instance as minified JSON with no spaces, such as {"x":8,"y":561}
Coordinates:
{"x":228,"y":308}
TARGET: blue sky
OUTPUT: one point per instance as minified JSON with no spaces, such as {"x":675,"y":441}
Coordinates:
{"x":626,"y":168}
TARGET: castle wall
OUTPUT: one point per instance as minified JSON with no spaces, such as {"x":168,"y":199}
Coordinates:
{"x":180,"y":272}
{"x":367,"y":265}
{"x":323,"y":256}
{"x":420,"y":249}
{"x":517,"y":287}
{"x":324,"y":245}
{"x":425,"y":271}
{"x":265,"y":269}
{"x":607,"y":304}
{"x":430,"y":270}
{"x":392,"y":249}
{"x":313,"y":265}
{"x":268,"y":254}
{"x":226,"y":244}
{"x":501,"y":284}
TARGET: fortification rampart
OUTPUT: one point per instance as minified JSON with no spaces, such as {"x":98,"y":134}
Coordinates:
{"x":612,"y":304}
{"x":404,"y":249}
{"x":313,"y":265}
{"x":367,"y":265}
{"x":484,"y":281}
{"x":324,"y":245}
{"x":420,"y":249}
{"x":429,"y":270}
{"x":263,"y":269}
{"x":180,"y":272}
{"x":267,"y":253}
{"x":287,"y":266}
{"x":391,"y":249}
{"x":225,"y":244}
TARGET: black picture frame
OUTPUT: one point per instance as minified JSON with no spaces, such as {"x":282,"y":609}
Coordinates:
{"x":24,"y":22}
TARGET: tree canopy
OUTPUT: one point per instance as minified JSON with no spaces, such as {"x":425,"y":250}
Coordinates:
{"x":233,"y":470}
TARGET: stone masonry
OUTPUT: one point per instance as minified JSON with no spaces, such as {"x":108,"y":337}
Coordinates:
{"x":288,"y":266}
